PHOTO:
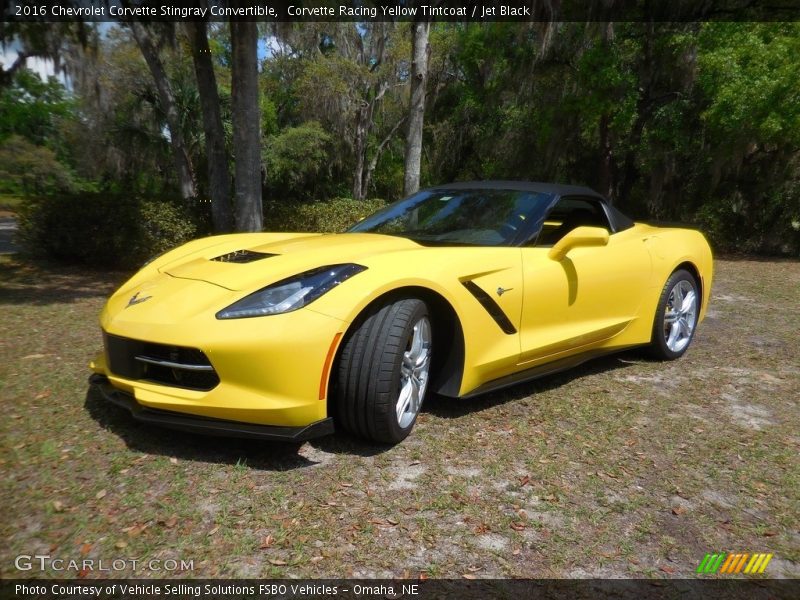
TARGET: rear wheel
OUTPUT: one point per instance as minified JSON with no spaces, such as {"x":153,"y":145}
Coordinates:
{"x":676,"y":316}
{"x":383,"y":370}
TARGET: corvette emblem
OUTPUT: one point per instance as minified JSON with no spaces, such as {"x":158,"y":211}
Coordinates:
{"x":136,"y":300}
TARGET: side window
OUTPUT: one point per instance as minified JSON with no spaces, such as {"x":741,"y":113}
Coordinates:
{"x":568,"y":214}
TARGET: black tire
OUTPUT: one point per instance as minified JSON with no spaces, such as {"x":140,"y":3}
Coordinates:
{"x":368,"y":371}
{"x":658,"y":347}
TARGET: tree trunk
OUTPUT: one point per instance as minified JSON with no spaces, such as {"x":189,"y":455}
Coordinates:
{"x":218,"y":175}
{"x":420,"y":53}
{"x":606,"y":150}
{"x":373,"y":163}
{"x":183,"y":164}
{"x":364,"y":125}
{"x":606,"y":159}
{"x":360,"y":149}
{"x":246,"y":130}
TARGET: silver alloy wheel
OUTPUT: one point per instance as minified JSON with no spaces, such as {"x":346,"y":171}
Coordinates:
{"x":680,"y":316}
{"x":414,"y":372}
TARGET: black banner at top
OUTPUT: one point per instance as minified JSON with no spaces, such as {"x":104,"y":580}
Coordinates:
{"x":400,"y":10}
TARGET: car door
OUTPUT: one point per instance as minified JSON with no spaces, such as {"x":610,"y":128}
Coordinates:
{"x":588,"y":297}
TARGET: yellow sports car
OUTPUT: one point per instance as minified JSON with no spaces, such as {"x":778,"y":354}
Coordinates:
{"x":457,"y":290}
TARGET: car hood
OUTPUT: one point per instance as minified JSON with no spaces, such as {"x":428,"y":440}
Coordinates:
{"x":247,"y":261}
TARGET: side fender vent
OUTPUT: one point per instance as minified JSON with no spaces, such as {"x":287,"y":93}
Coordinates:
{"x":491,"y":307}
{"x":242,"y":256}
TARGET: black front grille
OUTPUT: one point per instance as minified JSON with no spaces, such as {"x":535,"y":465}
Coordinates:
{"x":242,"y":256}
{"x":176,"y":366}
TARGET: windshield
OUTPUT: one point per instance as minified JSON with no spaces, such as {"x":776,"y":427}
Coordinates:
{"x":482,"y":217}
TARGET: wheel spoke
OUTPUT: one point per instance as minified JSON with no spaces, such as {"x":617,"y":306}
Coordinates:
{"x":414,"y":369}
{"x":421,"y":368}
{"x":680,"y":315}
{"x":678,"y":300}
{"x":675,"y":331}
{"x":688,"y":303}
{"x":414,"y":400}
{"x":682,"y":332}
{"x":406,"y":367}
{"x":417,"y":344}
{"x":405,"y":399}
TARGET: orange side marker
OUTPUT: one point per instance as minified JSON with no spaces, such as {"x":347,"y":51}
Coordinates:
{"x":323,"y":382}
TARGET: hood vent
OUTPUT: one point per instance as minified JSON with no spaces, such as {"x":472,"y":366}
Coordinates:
{"x":242,"y":256}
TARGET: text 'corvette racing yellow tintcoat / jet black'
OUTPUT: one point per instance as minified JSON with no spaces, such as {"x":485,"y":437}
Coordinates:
{"x":457,"y":290}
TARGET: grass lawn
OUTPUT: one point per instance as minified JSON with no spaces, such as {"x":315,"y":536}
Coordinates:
{"x":620,"y":468}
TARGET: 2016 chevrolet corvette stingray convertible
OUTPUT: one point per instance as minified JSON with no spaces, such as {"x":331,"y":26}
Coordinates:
{"x":457,"y":290}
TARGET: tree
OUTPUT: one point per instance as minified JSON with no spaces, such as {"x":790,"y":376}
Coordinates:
{"x":299,"y":162}
{"x":120,"y":111}
{"x":420,"y":53}
{"x":677,"y":121}
{"x":348,"y":72}
{"x":216,"y":154}
{"x":67,"y":44}
{"x":180,"y":154}
{"x":749,"y":83}
{"x":32,"y":170}
{"x":371,"y":57}
{"x":34,"y":108}
{"x":246,"y":127}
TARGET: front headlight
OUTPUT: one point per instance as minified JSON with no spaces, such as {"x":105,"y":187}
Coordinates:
{"x":290,"y":294}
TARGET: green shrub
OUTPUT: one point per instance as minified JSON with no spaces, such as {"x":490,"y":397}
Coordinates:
{"x":29,"y":169}
{"x":164,"y":225}
{"x":102,"y":229}
{"x":298,"y":162}
{"x":333,"y":216}
{"x":769,"y":224}
{"x":114,"y":230}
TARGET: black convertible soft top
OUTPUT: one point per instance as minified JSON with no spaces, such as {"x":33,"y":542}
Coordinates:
{"x":548,"y":196}
{"x":554,"y":189}
{"x":617,"y":220}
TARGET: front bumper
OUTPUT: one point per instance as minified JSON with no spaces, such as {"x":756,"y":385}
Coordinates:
{"x":206,"y":425}
{"x":271,"y":369}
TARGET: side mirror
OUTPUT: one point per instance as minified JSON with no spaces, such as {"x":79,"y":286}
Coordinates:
{"x":578,"y":237}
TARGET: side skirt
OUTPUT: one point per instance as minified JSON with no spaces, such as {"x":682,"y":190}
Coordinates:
{"x":536,"y":372}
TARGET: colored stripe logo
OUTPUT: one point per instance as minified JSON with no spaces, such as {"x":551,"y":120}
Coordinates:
{"x":732,"y":563}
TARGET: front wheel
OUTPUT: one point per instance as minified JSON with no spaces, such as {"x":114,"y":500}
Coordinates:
{"x":676,"y":317}
{"x":383,"y":370}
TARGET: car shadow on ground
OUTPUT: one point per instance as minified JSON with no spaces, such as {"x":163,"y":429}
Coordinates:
{"x":141,"y":437}
{"x":283,"y":456}
{"x":453,"y":408}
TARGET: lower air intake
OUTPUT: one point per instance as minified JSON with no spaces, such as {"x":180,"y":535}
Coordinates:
{"x":175,"y":366}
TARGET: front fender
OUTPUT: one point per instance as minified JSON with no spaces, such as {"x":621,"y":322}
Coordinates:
{"x":489,"y":351}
